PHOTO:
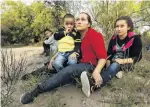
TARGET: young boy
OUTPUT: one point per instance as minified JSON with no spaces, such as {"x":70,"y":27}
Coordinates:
{"x":68,"y":44}
{"x":49,"y":44}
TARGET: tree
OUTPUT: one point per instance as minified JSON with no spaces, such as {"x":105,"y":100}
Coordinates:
{"x":106,"y":12}
{"x":22,"y":23}
{"x":14,"y":18}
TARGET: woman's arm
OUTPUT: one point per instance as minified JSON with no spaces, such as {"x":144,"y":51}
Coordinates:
{"x":98,"y":46}
{"x":96,"y":73}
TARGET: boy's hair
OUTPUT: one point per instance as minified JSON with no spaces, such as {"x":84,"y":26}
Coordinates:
{"x":128,"y":20}
{"x":68,"y":15}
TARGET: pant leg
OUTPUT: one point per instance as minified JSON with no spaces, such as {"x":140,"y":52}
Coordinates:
{"x":59,"y":61}
{"x":44,"y":46}
{"x":65,"y":76}
{"x":38,"y":72}
{"x":71,"y":61}
{"x":110,"y":73}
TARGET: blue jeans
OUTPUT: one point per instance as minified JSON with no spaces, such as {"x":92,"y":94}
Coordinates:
{"x":61,"y":58}
{"x":110,"y":73}
{"x":67,"y":75}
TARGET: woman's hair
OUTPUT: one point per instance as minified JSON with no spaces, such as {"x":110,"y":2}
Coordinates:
{"x":88,"y":17}
{"x":68,"y":15}
{"x":128,"y":20}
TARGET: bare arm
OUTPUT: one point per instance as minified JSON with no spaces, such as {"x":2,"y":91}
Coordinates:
{"x":100,"y":65}
{"x":54,"y":56}
{"x":107,"y":63}
{"x":97,"y":71}
{"x":124,"y":61}
{"x":51,"y":61}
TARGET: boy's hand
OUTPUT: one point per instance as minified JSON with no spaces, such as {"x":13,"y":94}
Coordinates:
{"x":74,"y":55}
{"x":68,"y":30}
{"x":50,"y":64}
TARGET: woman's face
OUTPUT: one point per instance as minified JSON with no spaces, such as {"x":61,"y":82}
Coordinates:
{"x":82,"y":22}
{"x":122,"y":27}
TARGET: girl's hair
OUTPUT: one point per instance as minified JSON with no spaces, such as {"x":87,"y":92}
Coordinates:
{"x":68,"y":15}
{"x":128,"y":20}
{"x":88,"y":17}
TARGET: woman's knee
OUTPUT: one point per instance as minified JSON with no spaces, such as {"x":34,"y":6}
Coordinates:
{"x":72,"y":61}
{"x":114,"y":67}
{"x":57,"y":64}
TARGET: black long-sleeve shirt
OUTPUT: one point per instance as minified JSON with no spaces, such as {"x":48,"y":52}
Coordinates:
{"x":134,"y":51}
{"x":74,"y":34}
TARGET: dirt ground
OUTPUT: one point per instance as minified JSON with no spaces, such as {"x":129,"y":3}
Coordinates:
{"x":66,"y":96}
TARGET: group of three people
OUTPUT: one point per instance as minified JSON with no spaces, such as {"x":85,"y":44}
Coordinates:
{"x":124,"y":50}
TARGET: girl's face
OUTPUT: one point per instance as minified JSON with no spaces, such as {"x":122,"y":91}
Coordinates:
{"x":122,"y":27}
{"x":82,"y":22}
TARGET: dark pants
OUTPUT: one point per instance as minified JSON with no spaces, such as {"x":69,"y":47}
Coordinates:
{"x":46,"y":47}
{"x":67,"y":75}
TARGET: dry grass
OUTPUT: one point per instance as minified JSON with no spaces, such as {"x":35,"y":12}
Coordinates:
{"x":11,"y":72}
{"x":133,"y":90}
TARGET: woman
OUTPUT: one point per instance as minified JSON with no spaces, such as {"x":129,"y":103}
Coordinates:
{"x":124,"y":50}
{"x":93,"y":59}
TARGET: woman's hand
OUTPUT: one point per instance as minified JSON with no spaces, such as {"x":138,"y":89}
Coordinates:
{"x":97,"y":77}
{"x":107,"y":63}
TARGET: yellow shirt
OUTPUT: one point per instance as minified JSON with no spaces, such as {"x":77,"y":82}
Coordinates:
{"x":66,"y":44}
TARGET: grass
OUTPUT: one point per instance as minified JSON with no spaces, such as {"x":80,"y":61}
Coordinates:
{"x":133,"y":90}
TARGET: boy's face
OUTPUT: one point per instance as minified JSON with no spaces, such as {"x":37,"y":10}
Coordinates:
{"x":48,"y":33}
{"x":69,"y":24}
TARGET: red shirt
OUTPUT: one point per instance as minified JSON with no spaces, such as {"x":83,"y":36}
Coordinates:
{"x":93,"y":47}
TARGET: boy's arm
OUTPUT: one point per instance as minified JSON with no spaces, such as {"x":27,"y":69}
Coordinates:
{"x":77,"y":46}
{"x":77,"y":43}
{"x":53,"y":58}
{"x":51,"y":61}
{"x":50,"y":40}
{"x":59,"y":34}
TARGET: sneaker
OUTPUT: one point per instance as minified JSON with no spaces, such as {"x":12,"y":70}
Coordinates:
{"x":87,"y":83}
{"x":28,"y":97}
{"x":119,"y":74}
